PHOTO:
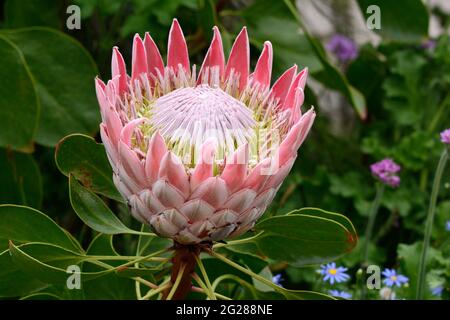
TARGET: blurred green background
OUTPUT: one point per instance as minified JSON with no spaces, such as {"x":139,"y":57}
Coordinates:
{"x":391,"y":100}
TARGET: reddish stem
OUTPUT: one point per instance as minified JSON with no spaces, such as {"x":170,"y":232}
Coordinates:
{"x":184,"y":255}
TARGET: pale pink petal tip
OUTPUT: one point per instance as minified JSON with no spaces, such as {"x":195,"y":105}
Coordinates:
{"x":139,"y":59}
{"x":296,"y":136}
{"x":172,"y":170}
{"x":234,"y":172}
{"x":127,"y":131}
{"x":154,"y":60}
{"x":119,"y":70}
{"x":156,"y":150}
{"x":281,"y":87}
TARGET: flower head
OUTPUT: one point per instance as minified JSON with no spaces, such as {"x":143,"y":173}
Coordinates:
{"x":333,"y":274}
{"x":199,"y":155}
{"x":393,"y":279}
{"x":447,"y":225}
{"x":387,"y":294}
{"x":340,"y":294}
{"x":386,"y":171}
{"x":343,"y":47}
{"x":277,"y":279}
{"x":429,"y":44}
{"x":445,"y":136}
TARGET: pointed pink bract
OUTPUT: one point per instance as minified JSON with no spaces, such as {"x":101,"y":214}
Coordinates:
{"x":215,"y":56}
{"x":239,"y":60}
{"x":177,"y":52}
{"x":263,"y":69}
{"x":154,"y":60}
{"x":139,"y":62}
{"x":283,"y":84}
{"x":118,"y":69}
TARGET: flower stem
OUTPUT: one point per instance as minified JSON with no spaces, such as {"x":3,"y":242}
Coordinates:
{"x":205,"y":276}
{"x":429,"y":224}
{"x":177,"y":282}
{"x":208,"y":292}
{"x":185,"y":257}
{"x":370,"y":224}
{"x":243,"y":269}
{"x":369,"y":230}
{"x":218,"y":295}
{"x":152,"y":292}
{"x":236,"y":242}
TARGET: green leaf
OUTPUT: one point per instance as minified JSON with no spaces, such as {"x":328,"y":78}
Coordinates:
{"x":267,"y":274}
{"x":401,"y":20}
{"x":41,"y":296}
{"x":339,"y":218}
{"x":409,"y":256}
{"x":148,"y":244}
{"x":93,"y":211}
{"x":62,"y":72}
{"x":21,"y":179}
{"x":110,"y":286}
{"x":301,"y":239}
{"x":303,"y":294}
{"x":23,"y":224}
{"x":86,"y":160}
{"x":48,"y":263}
{"x":19,"y":105}
{"x":13,"y":282}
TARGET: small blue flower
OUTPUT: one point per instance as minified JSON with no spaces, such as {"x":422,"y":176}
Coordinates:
{"x":392,"y":278}
{"x":437,"y":291}
{"x":340,"y":294}
{"x":277,"y":279}
{"x":447,"y":226}
{"x":333,"y":274}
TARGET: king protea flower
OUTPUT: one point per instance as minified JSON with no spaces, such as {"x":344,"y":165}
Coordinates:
{"x":199,"y":156}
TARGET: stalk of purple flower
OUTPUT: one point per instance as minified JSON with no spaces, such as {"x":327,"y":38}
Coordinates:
{"x":445,"y":138}
{"x":386,"y":172}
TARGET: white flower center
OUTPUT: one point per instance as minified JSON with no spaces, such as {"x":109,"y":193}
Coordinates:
{"x":187,"y":117}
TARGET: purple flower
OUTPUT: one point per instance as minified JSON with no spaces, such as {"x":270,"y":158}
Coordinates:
{"x":430,"y":44}
{"x":385,"y":170}
{"x":343,"y":47}
{"x":392,"y":278}
{"x":277,"y":279}
{"x":333,"y":274}
{"x":340,"y":294}
{"x":445,"y":136}
{"x":447,"y":226}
